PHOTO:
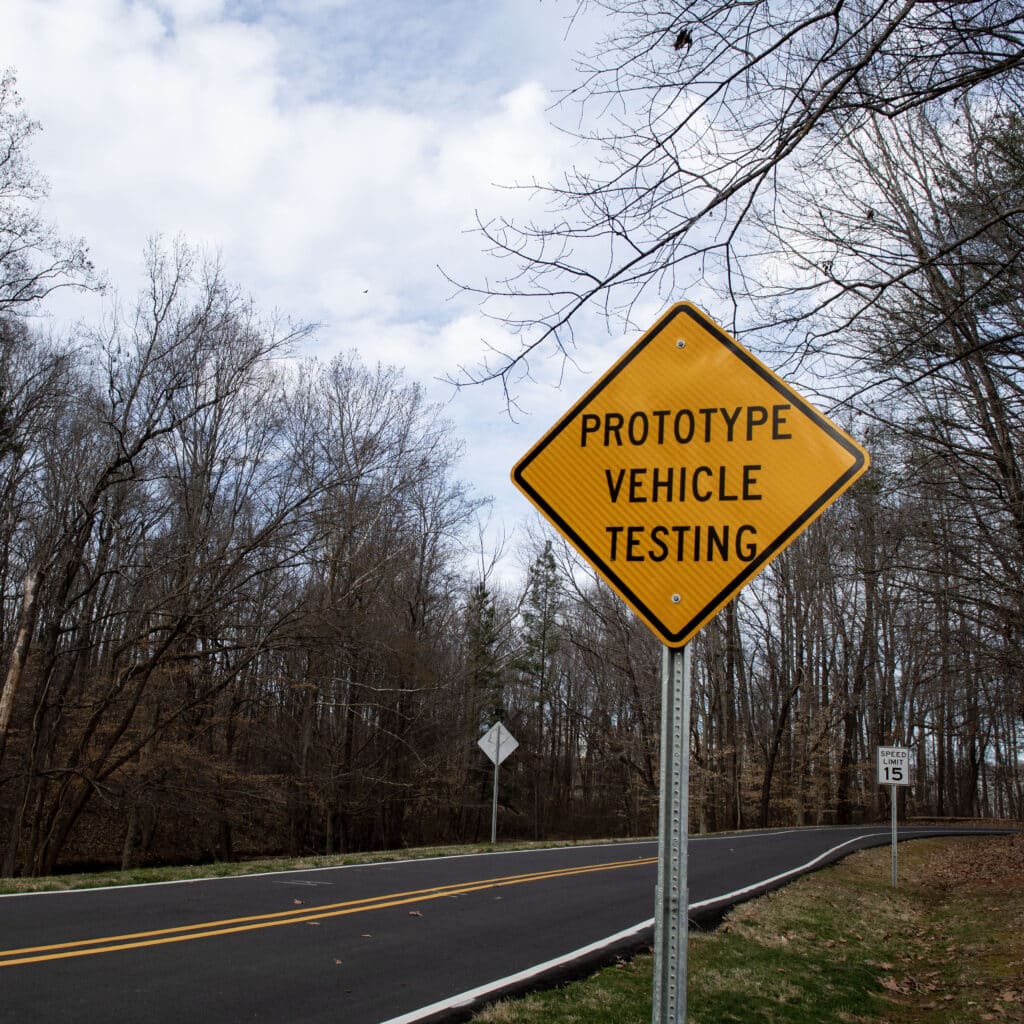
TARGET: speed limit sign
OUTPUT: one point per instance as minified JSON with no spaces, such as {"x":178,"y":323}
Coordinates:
{"x":893,"y":766}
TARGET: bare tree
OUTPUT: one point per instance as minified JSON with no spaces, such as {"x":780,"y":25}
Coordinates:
{"x":692,"y":114}
{"x":161,"y":502}
{"x":34,"y":258}
{"x":35,"y":384}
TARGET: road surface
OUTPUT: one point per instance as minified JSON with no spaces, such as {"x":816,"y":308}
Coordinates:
{"x":399,"y":942}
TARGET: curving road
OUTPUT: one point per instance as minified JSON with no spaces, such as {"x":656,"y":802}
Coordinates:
{"x":399,"y":942}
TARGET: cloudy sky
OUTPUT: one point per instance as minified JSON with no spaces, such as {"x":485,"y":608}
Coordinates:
{"x":335,"y":152}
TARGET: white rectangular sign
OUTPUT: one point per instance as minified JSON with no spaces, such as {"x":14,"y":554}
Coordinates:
{"x":497,"y":743}
{"x":893,"y":766}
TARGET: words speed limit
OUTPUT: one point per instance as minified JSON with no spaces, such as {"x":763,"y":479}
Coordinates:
{"x":893,"y":766}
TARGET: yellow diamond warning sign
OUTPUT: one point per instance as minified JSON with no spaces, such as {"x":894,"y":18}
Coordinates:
{"x":686,"y":469}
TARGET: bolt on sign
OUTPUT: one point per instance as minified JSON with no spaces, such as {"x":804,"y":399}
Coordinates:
{"x":685,"y":470}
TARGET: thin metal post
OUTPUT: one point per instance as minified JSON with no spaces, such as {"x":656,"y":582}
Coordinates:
{"x":494,"y":795}
{"x":892,"y":800}
{"x":671,"y":921}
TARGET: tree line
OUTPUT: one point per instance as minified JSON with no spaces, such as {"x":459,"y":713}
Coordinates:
{"x":237,"y":614}
{"x":843,"y":181}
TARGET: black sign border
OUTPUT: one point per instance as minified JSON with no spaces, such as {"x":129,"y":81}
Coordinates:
{"x":680,"y":637}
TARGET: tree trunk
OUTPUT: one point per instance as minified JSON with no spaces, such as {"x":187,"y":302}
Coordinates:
{"x":22,"y":645}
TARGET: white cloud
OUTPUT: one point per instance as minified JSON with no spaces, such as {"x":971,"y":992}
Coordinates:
{"x":186,"y":11}
{"x":194,"y":131}
{"x":257,"y":131}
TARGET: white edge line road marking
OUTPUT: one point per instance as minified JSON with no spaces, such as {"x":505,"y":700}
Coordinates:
{"x":785,"y":874}
{"x":382,"y":863}
{"x":327,"y":867}
{"x":473,"y":994}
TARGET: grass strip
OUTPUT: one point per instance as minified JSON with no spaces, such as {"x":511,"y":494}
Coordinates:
{"x":840,"y":946}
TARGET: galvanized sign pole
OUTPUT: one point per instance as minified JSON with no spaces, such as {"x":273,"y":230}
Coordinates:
{"x":497,"y":743}
{"x":679,"y":475}
{"x":671,"y":918}
{"x":895,"y":836}
{"x":894,"y":771}
{"x":494,"y":795}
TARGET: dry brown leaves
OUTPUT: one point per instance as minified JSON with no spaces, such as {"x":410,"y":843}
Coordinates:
{"x":989,"y":859}
{"x":964,"y":962}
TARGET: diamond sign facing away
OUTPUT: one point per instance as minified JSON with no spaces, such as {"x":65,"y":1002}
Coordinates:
{"x":685,"y":470}
{"x":497,"y":743}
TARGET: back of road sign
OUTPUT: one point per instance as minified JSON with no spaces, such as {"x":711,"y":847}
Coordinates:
{"x":685,"y":470}
{"x":497,"y":743}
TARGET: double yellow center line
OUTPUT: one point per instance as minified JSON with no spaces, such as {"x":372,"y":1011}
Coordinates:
{"x":230,"y":926}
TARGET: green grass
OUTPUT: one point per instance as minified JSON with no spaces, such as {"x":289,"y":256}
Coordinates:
{"x":838,"y":946}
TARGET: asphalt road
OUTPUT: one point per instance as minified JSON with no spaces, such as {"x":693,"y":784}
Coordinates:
{"x":399,"y":942}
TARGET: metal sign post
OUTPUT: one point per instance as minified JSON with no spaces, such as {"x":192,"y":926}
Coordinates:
{"x":894,"y":771}
{"x":494,"y":794}
{"x":497,"y":743}
{"x":895,"y":837}
{"x":679,"y":475}
{"x":671,"y":919}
